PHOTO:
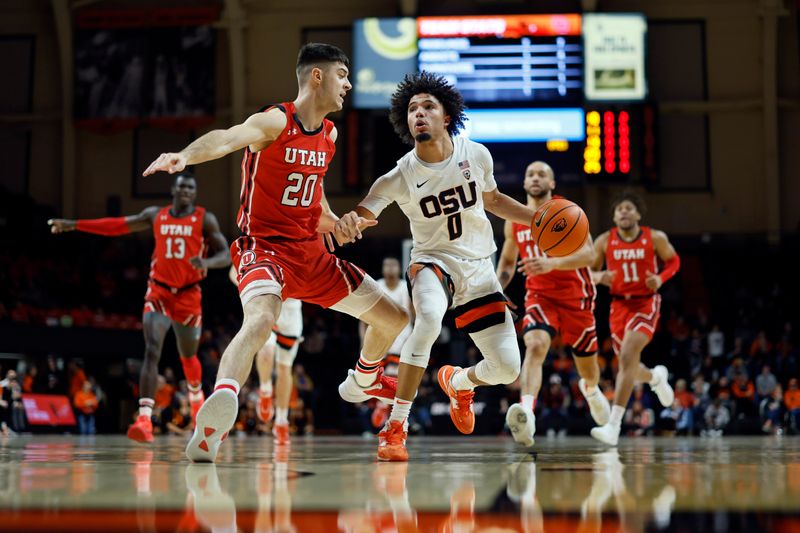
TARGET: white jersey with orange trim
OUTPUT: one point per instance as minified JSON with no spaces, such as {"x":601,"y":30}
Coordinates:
{"x":443,"y":201}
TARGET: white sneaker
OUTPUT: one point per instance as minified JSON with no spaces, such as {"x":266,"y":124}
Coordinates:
{"x":522,"y":424}
{"x":607,"y":434}
{"x":662,"y":506}
{"x":598,"y":404}
{"x":663,"y":389}
{"x":214,"y":420}
{"x":383,"y":389}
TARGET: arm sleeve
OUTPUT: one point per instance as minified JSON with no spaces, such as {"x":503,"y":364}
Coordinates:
{"x":671,"y":268}
{"x":104,"y":226}
{"x":487,"y":164}
{"x":389,"y":188}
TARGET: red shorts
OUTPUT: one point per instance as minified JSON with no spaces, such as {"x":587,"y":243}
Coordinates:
{"x":633,"y":314}
{"x":303,"y":270}
{"x":568,"y":318}
{"x":184,"y":307}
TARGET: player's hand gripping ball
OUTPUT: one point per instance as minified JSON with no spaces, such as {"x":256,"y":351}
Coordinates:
{"x":559,"y":227}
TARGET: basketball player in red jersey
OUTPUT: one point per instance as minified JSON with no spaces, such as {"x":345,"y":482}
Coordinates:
{"x":287,"y":150}
{"x":631,"y":253}
{"x":559,"y":299}
{"x":183,"y":234}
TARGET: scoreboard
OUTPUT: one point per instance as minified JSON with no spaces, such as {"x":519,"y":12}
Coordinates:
{"x":505,"y":58}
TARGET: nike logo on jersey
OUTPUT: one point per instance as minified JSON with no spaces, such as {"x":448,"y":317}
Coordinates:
{"x":421,"y":184}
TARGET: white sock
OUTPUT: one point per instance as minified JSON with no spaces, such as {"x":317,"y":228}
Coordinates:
{"x":366,"y":371}
{"x":461,"y":381}
{"x":226,"y":383}
{"x":617,"y":413}
{"x":146,"y":407}
{"x":400,"y":410}
{"x":266,"y":388}
{"x":591,"y":390}
{"x":282,"y":416}
{"x":528,"y":402}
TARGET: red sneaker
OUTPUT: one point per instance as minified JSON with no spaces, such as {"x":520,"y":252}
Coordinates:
{"x":281,"y":433}
{"x":461,"y":409}
{"x":380,"y":415}
{"x":392,"y":443}
{"x":265,"y":408}
{"x":196,"y":399}
{"x":141,"y":430}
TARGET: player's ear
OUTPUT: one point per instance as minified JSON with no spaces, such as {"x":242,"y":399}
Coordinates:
{"x":316,"y":75}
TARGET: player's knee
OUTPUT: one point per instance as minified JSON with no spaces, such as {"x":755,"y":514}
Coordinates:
{"x":535,"y":352}
{"x":152,"y":353}
{"x":501,"y":371}
{"x":259,"y":324}
{"x":429,"y":312}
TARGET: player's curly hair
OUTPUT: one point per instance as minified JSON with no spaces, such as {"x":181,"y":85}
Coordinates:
{"x":425,"y":83}
{"x":632,"y":197}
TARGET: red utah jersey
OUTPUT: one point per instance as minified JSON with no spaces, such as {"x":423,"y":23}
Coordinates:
{"x":563,"y":284}
{"x":178,"y":239}
{"x":631,"y":262}
{"x":282,"y":184}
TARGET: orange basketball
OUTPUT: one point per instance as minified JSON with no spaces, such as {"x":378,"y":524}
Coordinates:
{"x":559,"y":227}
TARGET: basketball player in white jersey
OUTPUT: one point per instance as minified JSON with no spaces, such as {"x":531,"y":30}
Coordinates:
{"x":281,"y":346}
{"x":444,"y":186}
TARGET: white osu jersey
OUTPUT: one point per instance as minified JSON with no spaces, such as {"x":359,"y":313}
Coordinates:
{"x":443,"y":201}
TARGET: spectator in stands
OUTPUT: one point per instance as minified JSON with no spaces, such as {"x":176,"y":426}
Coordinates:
{"x":765,"y":383}
{"x":181,"y":421}
{"x":29,"y":381}
{"x":12,"y":396}
{"x":737,"y":367}
{"x":717,"y":418}
{"x":744,"y":396}
{"x":738,"y":350}
{"x":56,"y":381}
{"x":677,"y":419}
{"x":307,"y":396}
{"x":554,"y":402}
{"x":86,"y":404}
{"x":77,"y":377}
{"x":639,"y":420}
{"x":791,"y":399}
{"x":773,"y":412}
{"x":716,"y":346}
{"x":761,"y":347}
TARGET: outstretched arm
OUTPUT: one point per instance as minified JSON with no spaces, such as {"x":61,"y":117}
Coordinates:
{"x":258,"y":130}
{"x":508,"y":256}
{"x":386,"y":189}
{"x":506,"y":207}
{"x":219,"y":246}
{"x":600,"y":276}
{"x":584,"y":257}
{"x":110,"y":227}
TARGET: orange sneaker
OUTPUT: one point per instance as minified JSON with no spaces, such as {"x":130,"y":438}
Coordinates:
{"x":196,"y":399}
{"x":281,"y":433}
{"x":461,"y":410}
{"x":141,"y":430}
{"x":392,"y":443}
{"x":380,"y":414}
{"x":265,"y":408}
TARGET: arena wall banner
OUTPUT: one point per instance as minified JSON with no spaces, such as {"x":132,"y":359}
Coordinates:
{"x":48,"y":410}
{"x":614,"y":56}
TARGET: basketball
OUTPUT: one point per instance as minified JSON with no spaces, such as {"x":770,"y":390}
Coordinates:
{"x":559,"y":227}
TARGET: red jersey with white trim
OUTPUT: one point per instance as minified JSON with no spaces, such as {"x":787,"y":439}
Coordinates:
{"x":631,"y":262}
{"x":178,"y":239}
{"x":566,"y":284}
{"x":282,"y":184}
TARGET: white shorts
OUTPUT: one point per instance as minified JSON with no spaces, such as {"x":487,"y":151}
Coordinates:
{"x":472,"y":278}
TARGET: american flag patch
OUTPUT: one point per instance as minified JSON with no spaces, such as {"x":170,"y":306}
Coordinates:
{"x":463,"y":165}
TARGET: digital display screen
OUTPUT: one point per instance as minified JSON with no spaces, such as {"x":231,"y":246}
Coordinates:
{"x":524,"y":125}
{"x":511,"y":58}
{"x":384,"y":50}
